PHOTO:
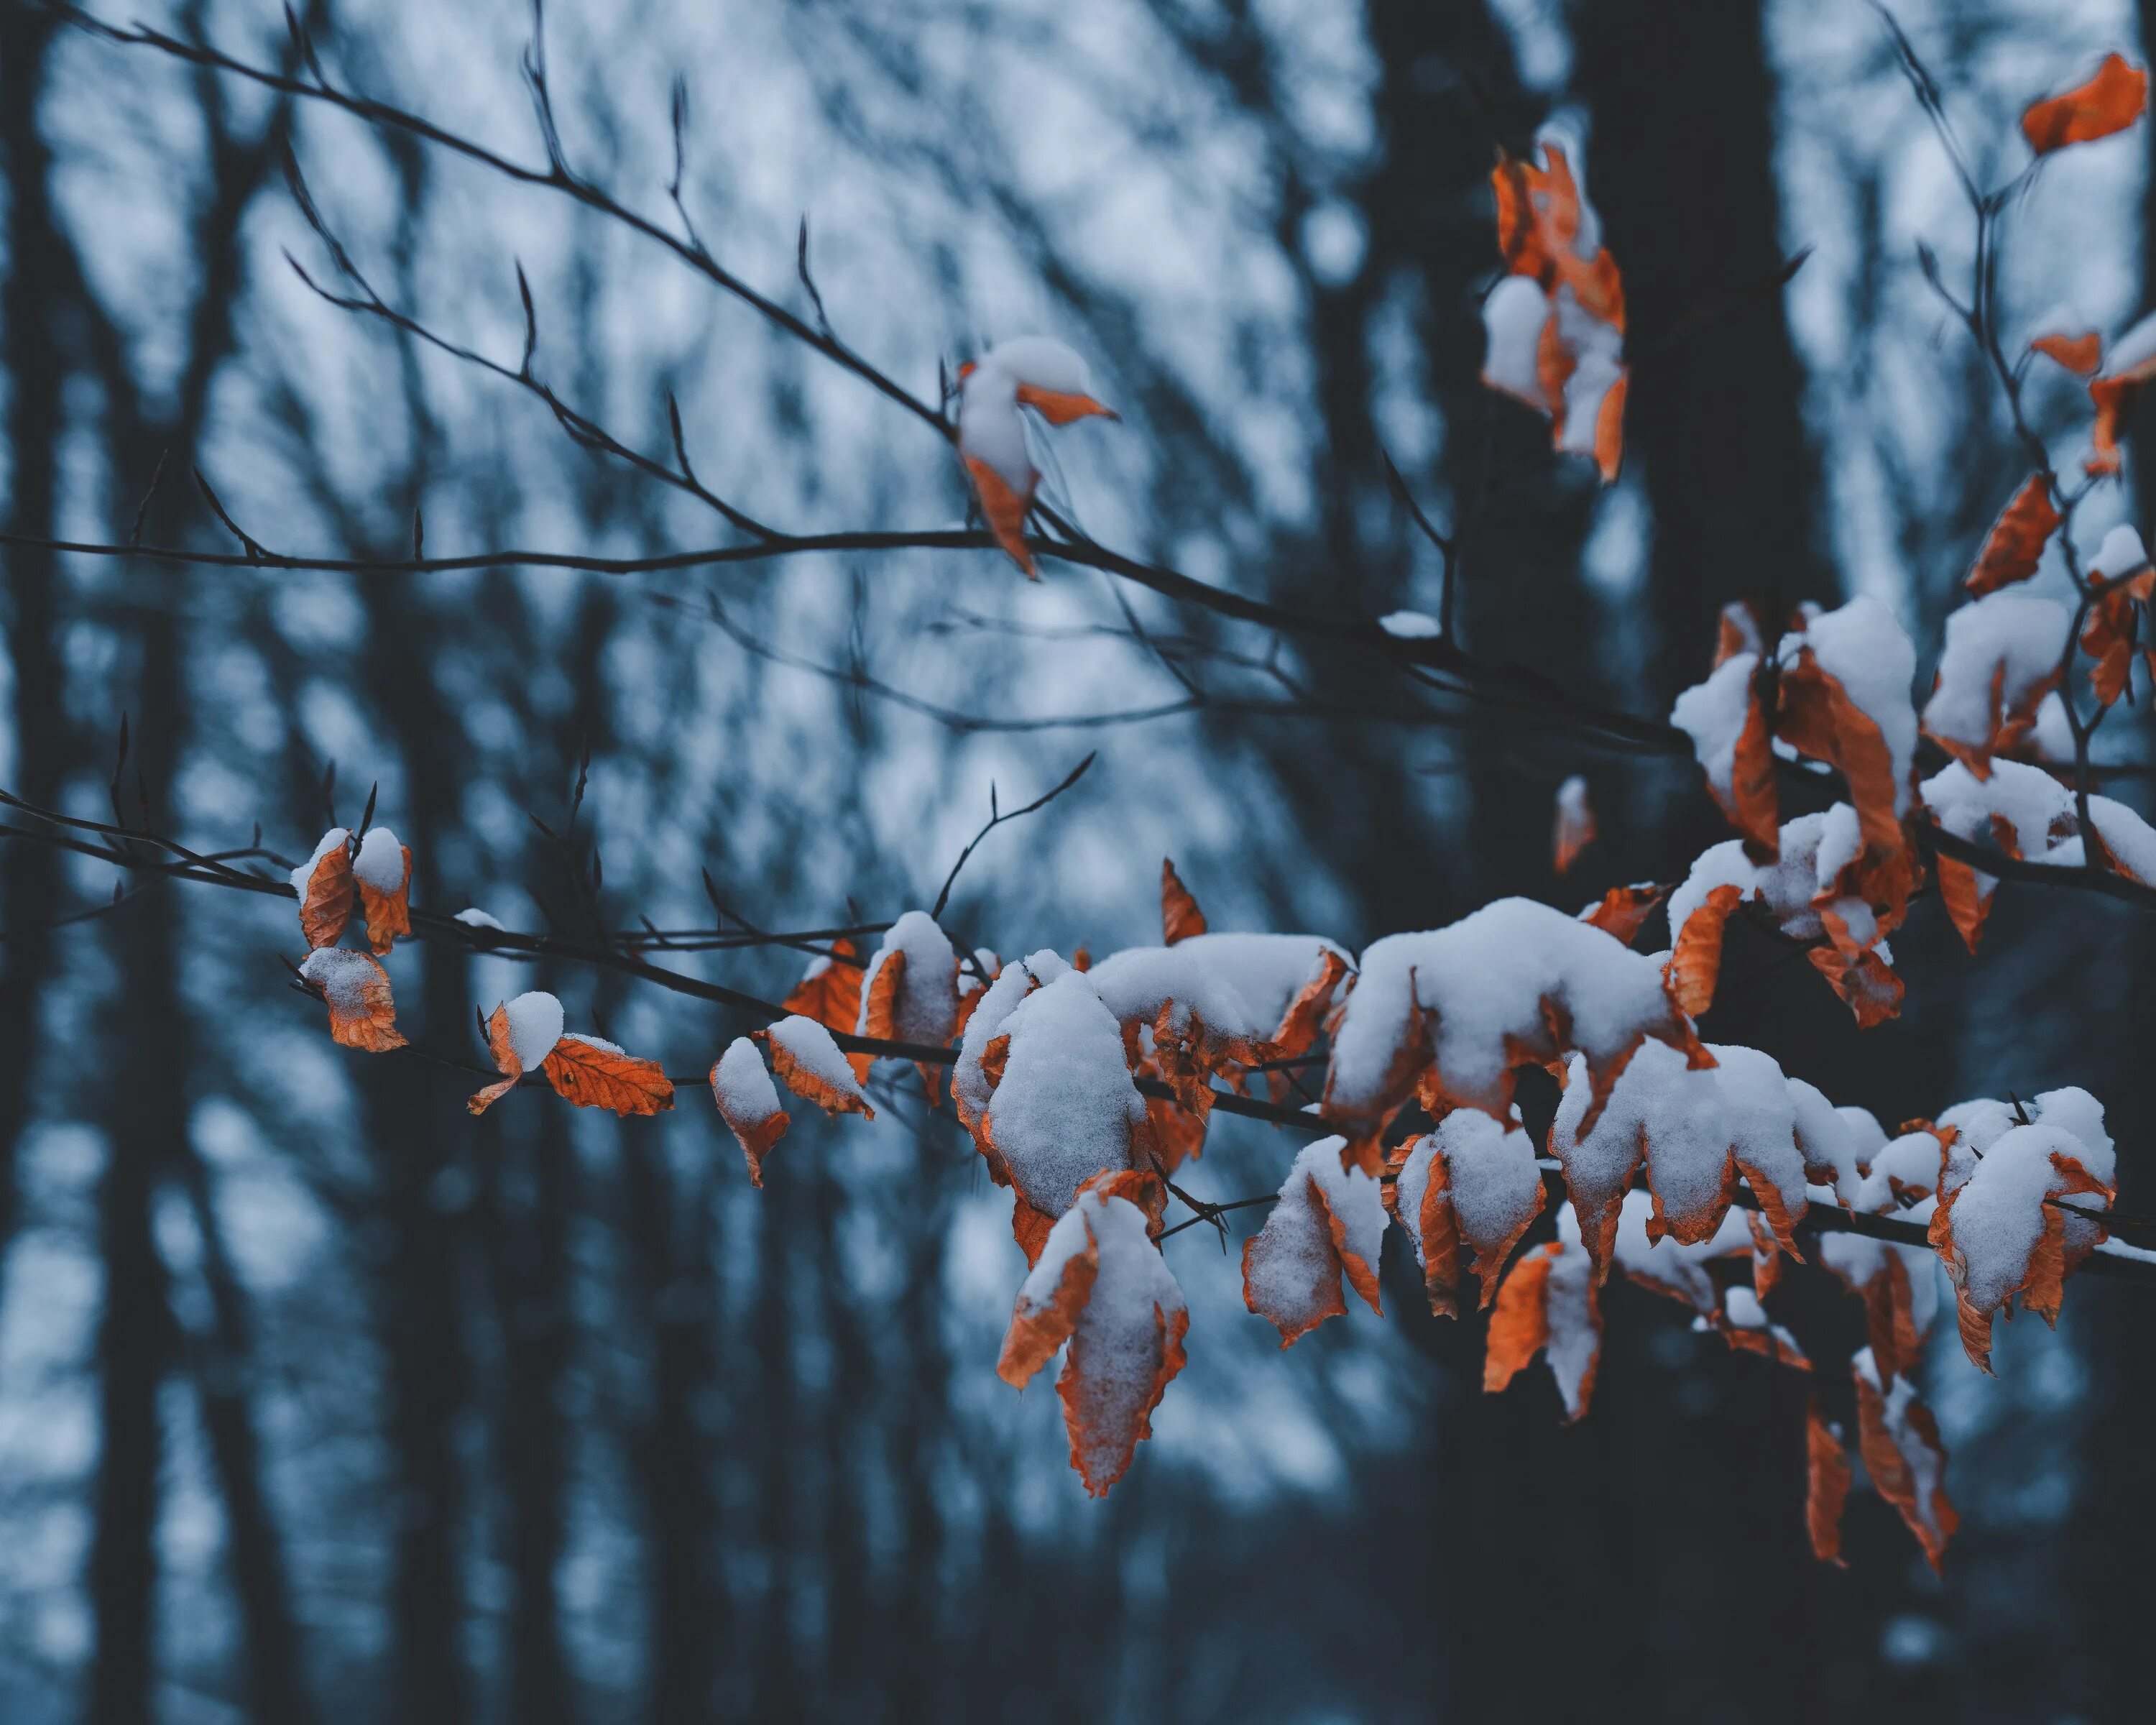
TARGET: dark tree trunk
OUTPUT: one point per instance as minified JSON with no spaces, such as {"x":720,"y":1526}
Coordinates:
{"x":1681,"y":167}
{"x":34,"y":340}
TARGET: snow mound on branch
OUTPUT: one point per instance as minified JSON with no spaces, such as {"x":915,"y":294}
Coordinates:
{"x":380,"y":863}
{"x":1066,"y":1109}
{"x":1420,"y":625}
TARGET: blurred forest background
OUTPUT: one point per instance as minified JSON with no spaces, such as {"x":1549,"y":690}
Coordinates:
{"x":320,"y":1401}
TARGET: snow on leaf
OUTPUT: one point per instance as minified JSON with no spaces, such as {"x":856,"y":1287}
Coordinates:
{"x":2109,"y":102}
{"x":809,"y":1063}
{"x":1555,"y":324}
{"x":830,"y":990}
{"x":1472,"y":1181}
{"x":2016,"y":543}
{"x":1100,"y":1283}
{"x":1844,"y":700}
{"x":2022,"y":809}
{"x":383,"y":874}
{"x":1450,"y":1012}
{"x":909,"y":993}
{"x":356,"y":990}
{"x":1728,"y":728}
{"x":1899,"y":1443}
{"x":520,"y":1034}
{"x":1573,"y":829}
{"x":1826,"y":1485}
{"x":1695,"y":1131}
{"x":1741,"y":1322}
{"x":1179,"y":916}
{"x":1330,"y":1221}
{"x":748,"y":1102}
{"x":594,"y":1073}
{"x":1996,"y":1234}
{"x":1667,"y":1265}
{"x":971,"y":1085}
{"x":1063,"y":1108}
{"x":325,"y":887}
{"x":1547,"y":1306}
{"x":2123,"y":581}
{"x":1032,"y":371}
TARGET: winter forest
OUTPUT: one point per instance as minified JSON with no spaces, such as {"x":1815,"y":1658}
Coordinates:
{"x":1085,"y":859}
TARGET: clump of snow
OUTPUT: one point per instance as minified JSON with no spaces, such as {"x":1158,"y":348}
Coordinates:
{"x":1137,"y":983}
{"x":342,"y":975}
{"x":1066,"y":1109}
{"x":1492,"y":1182}
{"x":970,"y":1089}
{"x":1513,"y":314}
{"x":380,"y":863}
{"x":741,"y":1085}
{"x":1999,"y":1211}
{"x":1713,"y":714}
{"x":2038,"y":808}
{"x":334,"y":839}
{"x":814,"y":1049}
{"x":2001,"y":651}
{"x":1575,"y":1323}
{"x":1667,"y":1265}
{"x":2121,"y":554}
{"x":1482,"y":984}
{"x":1788,"y":885}
{"x":1828,"y":1139}
{"x":535,"y":1026}
{"x":1418,"y":625}
{"x":1266,"y":971}
{"x":476,"y":919}
{"x":926,"y":1009}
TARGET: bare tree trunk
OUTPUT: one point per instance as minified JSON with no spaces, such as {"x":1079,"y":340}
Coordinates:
{"x":276,"y":1688}
{"x":32,"y":343}
{"x":530,"y":1275}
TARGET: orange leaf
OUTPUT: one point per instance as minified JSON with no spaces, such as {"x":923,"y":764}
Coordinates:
{"x":1899,"y":1443}
{"x":748,"y":1103}
{"x":592,"y":1073}
{"x":1519,"y":1322}
{"x":1818,"y":719}
{"x":1967,"y":903}
{"x":501,"y":1043}
{"x":356,"y":990}
{"x":1695,"y":965}
{"x":1866,"y":983}
{"x":2016,"y":543}
{"x":1547,"y":1304}
{"x":387,"y":910}
{"x":1005,"y":511}
{"x":2109,"y":102}
{"x":1573,"y":829}
{"x":325,"y":887}
{"x":830,"y":990}
{"x":880,"y":1009}
{"x":2079,"y":354}
{"x":1061,"y":407}
{"x":1826,"y":1485}
{"x":2107,"y":637}
{"x":1180,"y":918}
{"x":1624,"y":909}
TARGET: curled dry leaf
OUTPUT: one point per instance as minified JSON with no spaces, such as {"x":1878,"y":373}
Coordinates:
{"x":748,"y":1103}
{"x":830,"y":990}
{"x":1826,"y":1485}
{"x":356,"y":991}
{"x":1472,"y":1181}
{"x":383,"y":874}
{"x":594,"y":1073}
{"x":1547,"y":1306}
{"x":2109,"y":102}
{"x":1330,"y":1222}
{"x":1573,"y":829}
{"x":2131,"y":362}
{"x":1179,"y":916}
{"x":1844,"y":700}
{"x":1100,"y":1284}
{"x":520,"y":1034}
{"x":2016,"y":543}
{"x":1899,"y":1443}
{"x":2120,"y":575}
{"x":325,"y":887}
{"x":2080,"y":354}
{"x":1623,"y":911}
